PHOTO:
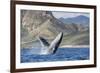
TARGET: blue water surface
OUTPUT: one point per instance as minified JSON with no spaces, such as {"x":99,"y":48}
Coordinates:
{"x":62,"y":54}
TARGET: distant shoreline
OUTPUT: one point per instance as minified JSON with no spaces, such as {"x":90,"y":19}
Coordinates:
{"x":75,"y":46}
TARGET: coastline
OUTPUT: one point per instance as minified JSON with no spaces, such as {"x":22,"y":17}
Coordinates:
{"x":74,"y":46}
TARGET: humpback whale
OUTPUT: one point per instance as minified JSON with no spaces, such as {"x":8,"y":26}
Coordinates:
{"x":48,"y":48}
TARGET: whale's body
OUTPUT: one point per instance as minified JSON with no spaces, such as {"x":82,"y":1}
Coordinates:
{"x":50,"y":48}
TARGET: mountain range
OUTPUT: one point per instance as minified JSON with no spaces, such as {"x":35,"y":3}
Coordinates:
{"x":81,"y":19}
{"x":36,"y":23}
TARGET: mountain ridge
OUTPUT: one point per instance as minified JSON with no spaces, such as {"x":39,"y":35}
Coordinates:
{"x":81,"y":19}
{"x":42,"y":23}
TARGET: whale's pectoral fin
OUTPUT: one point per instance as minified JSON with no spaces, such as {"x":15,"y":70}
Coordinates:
{"x":57,"y":45}
{"x":43,"y":41}
{"x":56,"y":42}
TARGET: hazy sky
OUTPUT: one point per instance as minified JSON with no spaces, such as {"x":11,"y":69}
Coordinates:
{"x":59,"y":14}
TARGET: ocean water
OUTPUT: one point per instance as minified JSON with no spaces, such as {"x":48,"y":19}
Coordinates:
{"x":62,"y":54}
